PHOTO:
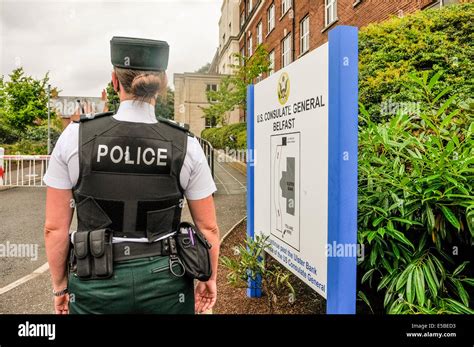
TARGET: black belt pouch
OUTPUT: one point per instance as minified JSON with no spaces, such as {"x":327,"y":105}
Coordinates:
{"x":81,"y":251}
{"x":94,"y":254}
{"x":100,"y":244}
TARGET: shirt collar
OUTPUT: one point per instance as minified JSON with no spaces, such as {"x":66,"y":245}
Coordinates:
{"x":136,"y":111}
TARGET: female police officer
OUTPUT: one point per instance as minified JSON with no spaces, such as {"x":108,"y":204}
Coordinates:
{"x":127,"y":174}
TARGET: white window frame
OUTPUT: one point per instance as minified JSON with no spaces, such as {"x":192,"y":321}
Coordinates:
{"x":304,"y":35}
{"x":250,"y":6}
{"x":250,"y":45}
{"x":330,"y":13}
{"x":271,"y":18}
{"x":286,"y":51}
{"x":285,"y":6}
{"x":271,"y":57}
{"x":259,"y":33}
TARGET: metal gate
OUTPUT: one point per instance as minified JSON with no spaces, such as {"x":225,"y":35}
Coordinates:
{"x":22,"y":170}
{"x":209,"y":153}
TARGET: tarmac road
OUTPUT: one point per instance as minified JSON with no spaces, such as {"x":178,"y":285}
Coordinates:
{"x":21,"y":223}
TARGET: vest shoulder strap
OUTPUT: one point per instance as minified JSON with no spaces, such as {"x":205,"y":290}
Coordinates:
{"x":175,"y":125}
{"x":88,"y":117}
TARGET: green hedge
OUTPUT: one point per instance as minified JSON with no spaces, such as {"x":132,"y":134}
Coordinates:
{"x":27,"y":147}
{"x":438,"y":39}
{"x":230,"y":136}
{"x":31,"y":141}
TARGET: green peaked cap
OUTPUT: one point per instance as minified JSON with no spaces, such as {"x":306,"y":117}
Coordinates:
{"x":139,"y":54}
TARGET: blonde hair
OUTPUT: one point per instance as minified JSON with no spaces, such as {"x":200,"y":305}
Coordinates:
{"x":142,"y":85}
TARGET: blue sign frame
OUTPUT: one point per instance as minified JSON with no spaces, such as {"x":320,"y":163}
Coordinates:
{"x":342,"y":169}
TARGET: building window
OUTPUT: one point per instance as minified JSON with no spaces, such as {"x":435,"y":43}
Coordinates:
{"x":286,"y":51}
{"x":211,"y":122}
{"x":250,"y":6}
{"x":304,"y":35}
{"x":210,"y":87}
{"x":271,"y":17}
{"x":271,"y":57}
{"x":242,"y":19}
{"x":331,"y":11}
{"x":249,"y":45}
{"x":285,"y":6}
{"x":259,"y":33}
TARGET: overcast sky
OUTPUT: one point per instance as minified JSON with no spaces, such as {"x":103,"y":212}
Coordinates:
{"x":70,"y":39}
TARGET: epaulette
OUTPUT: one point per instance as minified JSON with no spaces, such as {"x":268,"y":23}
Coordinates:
{"x":90,"y":116}
{"x":180,"y":126}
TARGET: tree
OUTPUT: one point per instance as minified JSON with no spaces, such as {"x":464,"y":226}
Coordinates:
{"x":23,"y":100}
{"x":113,"y":100}
{"x":204,"y":68}
{"x":164,"y":107}
{"x":232,"y":91}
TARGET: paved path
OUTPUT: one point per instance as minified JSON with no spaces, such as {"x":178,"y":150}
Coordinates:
{"x":21,"y":222}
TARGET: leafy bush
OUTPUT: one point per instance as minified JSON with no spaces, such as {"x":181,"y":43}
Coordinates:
{"x":7,"y":134}
{"x":27,"y":147}
{"x":40,"y":134}
{"x":250,"y":264}
{"x":416,"y":204}
{"x":439,"y":39}
{"x":231,"y":136}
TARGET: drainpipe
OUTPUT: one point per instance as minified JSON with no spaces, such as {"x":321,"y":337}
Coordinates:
{"x":293,"y":30}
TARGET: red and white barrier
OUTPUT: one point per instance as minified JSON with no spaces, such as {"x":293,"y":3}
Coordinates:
{"x":2,"y":152}
{"x":22,"y":170}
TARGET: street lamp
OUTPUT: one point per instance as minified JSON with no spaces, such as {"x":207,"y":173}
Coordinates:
{"x":49,"y":120}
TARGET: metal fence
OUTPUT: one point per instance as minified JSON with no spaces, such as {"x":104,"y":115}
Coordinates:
{"x":208,"y":151}
{"x":23,"y":170}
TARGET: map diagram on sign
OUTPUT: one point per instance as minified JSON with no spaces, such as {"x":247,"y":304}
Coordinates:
{"x":285,"y":188}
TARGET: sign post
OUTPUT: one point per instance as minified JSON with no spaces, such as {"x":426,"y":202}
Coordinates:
{"x":302,"y":179}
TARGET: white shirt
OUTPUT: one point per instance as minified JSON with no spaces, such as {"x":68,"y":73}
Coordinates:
{"x":63,"y":170}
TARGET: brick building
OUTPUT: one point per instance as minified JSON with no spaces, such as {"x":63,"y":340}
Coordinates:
{"x":291,"y":28}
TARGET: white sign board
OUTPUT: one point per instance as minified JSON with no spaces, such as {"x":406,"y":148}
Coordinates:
{"x":291,"y":162}
{"x":302,"y":168}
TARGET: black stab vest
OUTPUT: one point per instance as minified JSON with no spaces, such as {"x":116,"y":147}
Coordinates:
{"x":129,"y":177}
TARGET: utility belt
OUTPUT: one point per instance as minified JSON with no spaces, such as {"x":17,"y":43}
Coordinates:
{"x":93,"y":253}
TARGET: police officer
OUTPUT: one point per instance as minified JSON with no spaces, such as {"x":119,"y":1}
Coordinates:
{"x":127,"y":174}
